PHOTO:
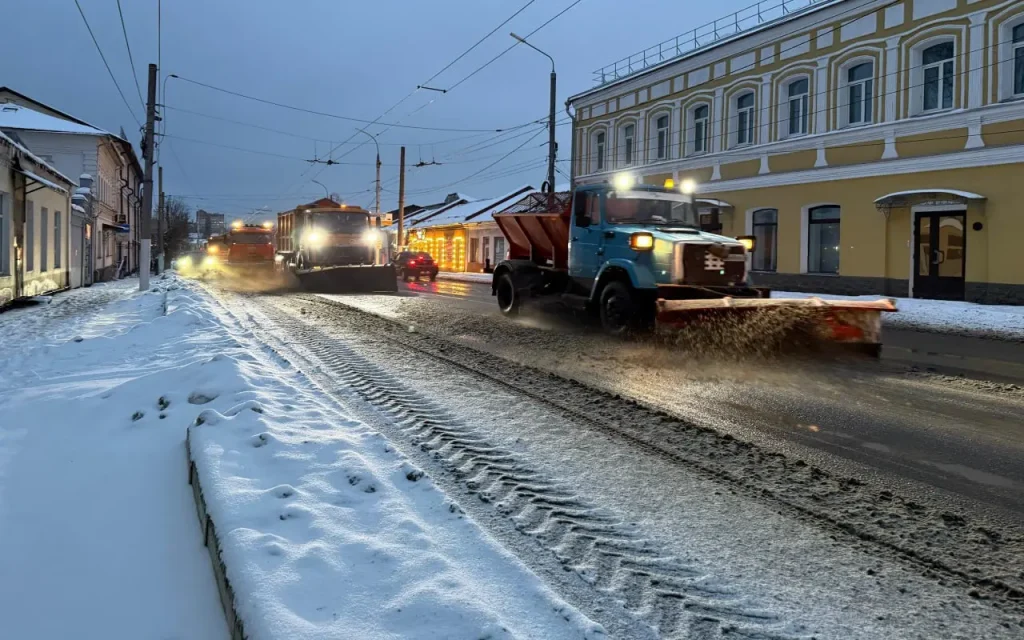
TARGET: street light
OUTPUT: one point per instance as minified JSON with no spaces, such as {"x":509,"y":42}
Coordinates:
{"x":374,"y":138}
{"x":551,"y":115}
{"x":327,"y":194}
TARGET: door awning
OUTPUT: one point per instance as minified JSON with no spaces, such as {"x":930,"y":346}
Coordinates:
{"x":947,"y":195}
{"x":43,"y":181}
{"x":711,"y":202}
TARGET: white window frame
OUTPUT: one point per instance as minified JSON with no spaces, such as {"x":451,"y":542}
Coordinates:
{"x":28,"y":253}
{"x":918,"y":70}
{"x":44,"y":239}
{"x":599,"y":151}
{"x":5,"y":234}
{"x":845,"y":87}
{"x":807,"y":222}
{"x":692,"y":120}
{"x":662,"y":136}
{"x":804,"y":105}
{"x":627,"y":144}
{"x":58,"y":232}
{"x":1017,"y":55}
{"x":1007,"y":58}
{"x":734,"y":118}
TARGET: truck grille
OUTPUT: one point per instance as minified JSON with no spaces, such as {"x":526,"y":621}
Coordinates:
{"x":709,"y":264}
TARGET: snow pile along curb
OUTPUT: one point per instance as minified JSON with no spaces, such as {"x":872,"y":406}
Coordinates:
{"x":484,"y":278}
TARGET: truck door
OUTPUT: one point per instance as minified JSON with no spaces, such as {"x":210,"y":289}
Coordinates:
{"x":585,"y":239}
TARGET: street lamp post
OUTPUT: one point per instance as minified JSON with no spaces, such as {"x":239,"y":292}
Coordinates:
{"x":551,"y":116}
{"x":377,"y":199}
{"x":327,"y":194}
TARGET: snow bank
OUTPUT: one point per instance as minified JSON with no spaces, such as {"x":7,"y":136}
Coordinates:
{"x":943,"y":316}
{"x":466,"y":277}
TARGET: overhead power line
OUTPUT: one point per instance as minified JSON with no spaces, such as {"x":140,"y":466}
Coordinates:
{"x":107,"y":65}
{"x":334,"y":115}
{"x":131,"y":60}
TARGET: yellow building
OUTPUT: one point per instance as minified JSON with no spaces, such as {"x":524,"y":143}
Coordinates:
{"x":872,"y":147}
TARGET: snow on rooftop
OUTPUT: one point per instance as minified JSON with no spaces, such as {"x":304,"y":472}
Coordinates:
{"x":34,"y":158}
{"x":14,"y":116}
{"x":469,"y":212}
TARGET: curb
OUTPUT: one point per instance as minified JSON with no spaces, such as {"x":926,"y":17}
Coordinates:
{"x":212,"y":543}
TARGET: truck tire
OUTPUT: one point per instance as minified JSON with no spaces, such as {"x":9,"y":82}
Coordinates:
{"x":620,"y":312}
{"x":508,"y":296}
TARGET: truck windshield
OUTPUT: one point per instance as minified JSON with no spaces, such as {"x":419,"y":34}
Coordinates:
{"x":342,"y":222}
{"x":649,"y":207}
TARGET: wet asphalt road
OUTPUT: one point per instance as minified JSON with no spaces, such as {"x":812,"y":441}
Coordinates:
{"x":926,"y":434}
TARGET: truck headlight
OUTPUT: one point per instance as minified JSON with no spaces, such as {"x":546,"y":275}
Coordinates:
{"x":641,"y":241}
{"x":209,"y":261}
{"x":184,"y":262}
{"x":314,"y":239}
{"x":370,"y":238}
{"x":748,"y":242}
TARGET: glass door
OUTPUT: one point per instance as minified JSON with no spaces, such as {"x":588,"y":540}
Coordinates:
{"x":939,"y":255}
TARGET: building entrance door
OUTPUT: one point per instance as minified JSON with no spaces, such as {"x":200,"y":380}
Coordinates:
{"x":939,"y":255}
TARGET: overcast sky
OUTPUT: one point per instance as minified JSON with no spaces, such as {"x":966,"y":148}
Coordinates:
{"x":343,"y":57}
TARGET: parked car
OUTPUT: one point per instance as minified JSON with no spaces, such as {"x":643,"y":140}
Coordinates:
{"x":415,"y":264}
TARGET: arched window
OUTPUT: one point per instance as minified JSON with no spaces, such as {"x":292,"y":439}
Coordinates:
{"x":1018,"y":60}
{"x":627,"y":144}
{"x":938,"y":80}
{"x":600,"y":146}
{"x":766,"y":234}
{"x":823,"y":239}
{"x":860,"y":81}
{"x":745,"y":119}
{"x":797,"y":94}
{"x":661,"y":128}
{"x":700,"y":131}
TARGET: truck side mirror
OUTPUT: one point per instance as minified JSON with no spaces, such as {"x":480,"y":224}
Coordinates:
{"x":580,"y":214}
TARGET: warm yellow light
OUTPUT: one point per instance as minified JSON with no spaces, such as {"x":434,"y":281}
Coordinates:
{"x":670,"y":183}
{"x":213,"y":248}
{"x":237,"y":224}
{"x":748,"y":242}
{"x":688,"y":186}
{"x":624,"y":181}
{"x":641,"y":241}
{"x":268,"y":225}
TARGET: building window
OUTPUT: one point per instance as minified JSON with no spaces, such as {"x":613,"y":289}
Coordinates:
{"x":797,"y":94}
{"x":29,"y":252}
{"x":745,"y":119}
{"x":499,"y":249}
{"x":599,"y":149}
{"x":57,"y":248}
{"x":766,"y":234}
{"x":628,"y":144}
{"x":661,"y":133}
{"x":937,"y":61}
{"x":701,"y":129}
{"x":823,"y":240}
{"x":44,"y":233}
{"x":859,"y":93}
{"x":486,"y":244}
{"x":474,"y":249}
{"x":1018,"y":60}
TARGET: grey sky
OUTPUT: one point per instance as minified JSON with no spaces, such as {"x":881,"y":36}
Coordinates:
{"x":337,"y":56}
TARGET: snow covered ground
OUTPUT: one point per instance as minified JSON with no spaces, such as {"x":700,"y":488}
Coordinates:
{"x":942,"y":316}
{"x":327,"y":531}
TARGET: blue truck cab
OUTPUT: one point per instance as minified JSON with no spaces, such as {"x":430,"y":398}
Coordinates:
{"x":629,"y":245}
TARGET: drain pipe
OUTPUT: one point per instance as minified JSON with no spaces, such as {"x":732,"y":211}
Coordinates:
{"x":572,"y":147}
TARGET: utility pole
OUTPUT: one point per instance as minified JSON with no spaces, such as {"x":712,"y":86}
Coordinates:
{"x":552,"y":153}
{"x":401,"y":198}
{"x":160,"y":228}
{"x":146,"y":223}
{"x":378,"y":184}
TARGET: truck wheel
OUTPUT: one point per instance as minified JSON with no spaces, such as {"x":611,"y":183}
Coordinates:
{"x":508,"y":297}
{"x":619,"y":311}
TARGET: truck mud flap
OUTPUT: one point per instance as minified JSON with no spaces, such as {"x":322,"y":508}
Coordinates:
{"x":348,"y":279}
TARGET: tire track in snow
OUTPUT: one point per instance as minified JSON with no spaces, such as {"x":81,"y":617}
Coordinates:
{"x":674,"y":598}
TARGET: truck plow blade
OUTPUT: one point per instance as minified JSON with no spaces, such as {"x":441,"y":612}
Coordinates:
{"x":856,"y":322}
{"x":348,"y":279}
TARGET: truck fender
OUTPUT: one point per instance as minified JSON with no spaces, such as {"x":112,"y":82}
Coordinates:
{"x":618,"y":268}
{"x":524,"y":273}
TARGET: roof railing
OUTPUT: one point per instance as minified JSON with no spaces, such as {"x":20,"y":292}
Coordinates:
{"x":756,"y":15}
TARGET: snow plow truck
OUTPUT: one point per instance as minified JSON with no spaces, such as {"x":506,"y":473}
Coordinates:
{"x":635,"y":256}
{"x":334,"y":248}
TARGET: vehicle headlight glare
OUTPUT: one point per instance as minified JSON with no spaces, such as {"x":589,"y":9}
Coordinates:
{"x":641,"y":242}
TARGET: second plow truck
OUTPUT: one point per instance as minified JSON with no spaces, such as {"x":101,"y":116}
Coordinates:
{"x":635,"y":256}
{"x":335,"y":248}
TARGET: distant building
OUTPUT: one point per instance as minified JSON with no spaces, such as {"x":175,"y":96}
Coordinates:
{"x":209,"y":224}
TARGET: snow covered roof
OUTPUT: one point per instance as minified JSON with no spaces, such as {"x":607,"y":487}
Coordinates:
{"x":15,"y":116}
{"x":967,"y":195}
{"x":722,"y":204}
{"x":77,"y":208}
{"x":36,"y":159}
{"x":470,"y":211}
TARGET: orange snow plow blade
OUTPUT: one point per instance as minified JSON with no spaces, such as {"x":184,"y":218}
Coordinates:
{"x":842,"y":321}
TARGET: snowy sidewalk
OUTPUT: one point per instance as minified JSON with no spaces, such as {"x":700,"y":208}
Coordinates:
{"x":98,"y":526}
